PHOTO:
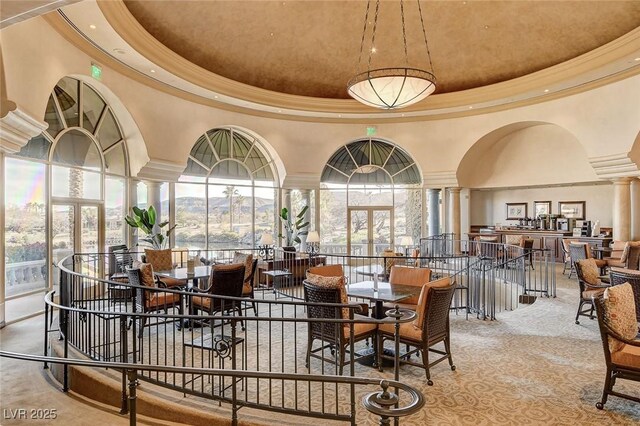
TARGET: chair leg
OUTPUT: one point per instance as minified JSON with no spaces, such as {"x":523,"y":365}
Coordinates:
{"x":239,"y":310}
{"x":425,"y":362}
{"x":579,"y":308}
{"x":341,"y":357}
{"x":379,"y":348}
{"x":564,"y":268}
{"x":308,"y":357}
{"x":255,"y":310}
{"x":141,"y":323}
{"x":608,"y":385}
{"x":447,"y":349}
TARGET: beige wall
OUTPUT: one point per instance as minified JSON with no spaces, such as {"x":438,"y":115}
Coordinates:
{"x":488,"y":207}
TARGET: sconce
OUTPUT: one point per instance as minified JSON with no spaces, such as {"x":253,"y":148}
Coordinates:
{"x":265,"y":249}
{"x":313,"y":243}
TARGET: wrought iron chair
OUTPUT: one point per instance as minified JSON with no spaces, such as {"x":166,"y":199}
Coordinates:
{"x":567,"y":255}
{"x":428,"y":329}
{"x":621,"y":276}
{"x":335,"y":336}
{"x":621,"y":349}
{"x":226,"y":280}
{"x":590,"y":286}
{"x":119,"y":259}
{"x":147,"y":301}
{"x":579,"y":251}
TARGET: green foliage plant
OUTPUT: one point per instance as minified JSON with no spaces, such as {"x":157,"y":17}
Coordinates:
{"x":293,"y":230}
{"x":145,"y":220}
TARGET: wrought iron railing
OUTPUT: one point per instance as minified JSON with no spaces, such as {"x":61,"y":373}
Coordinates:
{"x":262,"y":357}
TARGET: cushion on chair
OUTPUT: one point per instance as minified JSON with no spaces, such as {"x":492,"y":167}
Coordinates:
{"x":627,"y":355}
{"x":160,"y":259}
{"x":424,"y":299}
{"x":161,"y":299}
{"x":627,"y":247}
{"x":514,"y":240}
{"x":404,"y":275}
{"x":331,"y":282}
{"x":359,"y":328}
{"x":590,"y":271}
{"x":201,"y":301}
{"x":620,"y":314}
{"x":407,"y":331}
{"x":246,"y":289}
{"x":327,"y":270}
{"x":247,"y":259}
{"x":614,"y":262}
{"x":589,"y":294}
{"x":172,"y":282}
{"x":146,"y":273}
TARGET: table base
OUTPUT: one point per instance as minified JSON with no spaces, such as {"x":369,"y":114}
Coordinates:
{"x":367,"y":357}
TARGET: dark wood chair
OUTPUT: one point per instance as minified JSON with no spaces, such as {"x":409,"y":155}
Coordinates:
{"x":430,"y":328}
{"x":335,"y":336}
{"x":590,"y":286}
{"x":226,"y":280}
{"x":620,"y":276}
{"x":633,"y":258}
{"x":147,"y":301}
{"x":580,"y":251}
{"x":622,"y":355}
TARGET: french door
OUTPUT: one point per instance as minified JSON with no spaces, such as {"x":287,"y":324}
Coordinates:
{"x":369,"y":230}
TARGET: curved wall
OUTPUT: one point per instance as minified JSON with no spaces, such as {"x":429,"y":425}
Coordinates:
{"x":603,"y":121}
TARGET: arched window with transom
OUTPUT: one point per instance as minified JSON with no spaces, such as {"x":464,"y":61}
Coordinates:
{"x":226,"y":196}
{"x":371,"y":198}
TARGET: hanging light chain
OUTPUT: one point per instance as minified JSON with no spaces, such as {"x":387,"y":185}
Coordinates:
{"x":424,"y":34}
{"x":373,"y":34}
{"x":364,"y":32}
{"x":404,"y":33}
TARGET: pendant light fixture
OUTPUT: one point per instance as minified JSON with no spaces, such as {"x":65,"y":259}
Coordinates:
{"x":395,"y":87}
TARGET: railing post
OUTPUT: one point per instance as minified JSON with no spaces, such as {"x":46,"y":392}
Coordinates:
{"x":133,"y":378}
{"x":46,"y":333}
{"x":234,"y":390}
{"x":65,"y":329}
{"x":124,"y":358}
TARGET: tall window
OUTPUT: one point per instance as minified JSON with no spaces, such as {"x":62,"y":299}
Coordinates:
{"x":226,"y":196}
{"x":370,"y":197}
{"x":85,"y":151}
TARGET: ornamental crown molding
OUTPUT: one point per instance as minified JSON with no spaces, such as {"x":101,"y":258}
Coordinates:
{"x":440,"y":179}
{"x":161,"y":170}
{"x":614,"y":166}
{"x":16,"y":128}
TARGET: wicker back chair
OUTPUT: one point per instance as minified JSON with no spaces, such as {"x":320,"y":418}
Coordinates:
{"x":335,"y":336}
{"x":620,"y":276}
{"x":248,"y":286}
{"x":119,"y":259}
{"x":633,"y":258}
{"x":435,"y":329}
{"x":624,"y":363}
{"x":587,"y":292}
{"x":147,"y":301}
{"x":226,"y":280}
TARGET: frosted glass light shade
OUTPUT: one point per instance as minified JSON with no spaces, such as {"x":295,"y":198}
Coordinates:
{"x":266,"y":240}
{"x":391,"y":88}
{"x":406,"y":241}
{"x":313,"y":237}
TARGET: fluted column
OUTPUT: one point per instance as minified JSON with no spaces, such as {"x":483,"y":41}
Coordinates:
{"x":433,"y":195}
{"x":622,"y":209}
{"x":153,"y":199}
{"x":635,"y":209}
{"x":286,"y":203}
{"x":454,"y":209}
{"x":306,"y":200}
{"x":133,"y":201}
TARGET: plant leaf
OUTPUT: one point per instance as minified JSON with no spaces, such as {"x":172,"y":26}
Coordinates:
{"x":131,"y":222}
{"x":152,"y":215}
{"x":137,"y":211}
{"x":163,"y":224}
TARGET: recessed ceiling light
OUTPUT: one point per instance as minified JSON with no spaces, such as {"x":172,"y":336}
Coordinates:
{"x":152,"y":70}
{"x":546,"y":90}
{"x":279,"y":110}
{"x":374,"y":50}
{"x":403,"y":115}
{"x":471,"y":107}
{"x":215,"y":97}
{"x":486,"y":27}
{"x":119,"y":51}
{"x":93,"y":27}
{"x":271,"y":34}
{"x":637,"y":59}
{"x":339,"y":115}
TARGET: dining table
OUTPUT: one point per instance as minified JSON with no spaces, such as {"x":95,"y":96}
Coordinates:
{"x":191,"y":280}
{"x":385,"y":292}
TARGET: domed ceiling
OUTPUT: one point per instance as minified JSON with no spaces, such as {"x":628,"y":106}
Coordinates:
{"x":311,"y":48}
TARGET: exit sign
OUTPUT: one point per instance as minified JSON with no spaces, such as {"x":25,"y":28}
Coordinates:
{"x":371,"y":130}
{"x":96,"y":71}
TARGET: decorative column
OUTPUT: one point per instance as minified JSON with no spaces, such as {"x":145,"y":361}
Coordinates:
{"x":306,"y":200}
{"x":286,"y":203}
{"x":433,"y":195}
{"x":133,"y":201}
{"x":2,"y":256}
{"x":153,"y":199}
{"x":454,"y":214}
{"x":622,"y":209}
{"x":635,"y":209}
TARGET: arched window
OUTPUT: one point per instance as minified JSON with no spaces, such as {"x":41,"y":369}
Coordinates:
{"x":227,"y":194}
{"x":84,"y":152}
{"x":371,"y":196}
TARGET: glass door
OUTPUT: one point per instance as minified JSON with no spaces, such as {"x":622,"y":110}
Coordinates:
{"x":369,"y":230}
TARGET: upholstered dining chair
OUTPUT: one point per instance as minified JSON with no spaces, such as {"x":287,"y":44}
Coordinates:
{"x":248,"y":286}
{"x":567,"y":255}
{"x":151,"y":300}
{"x":430,"y":328}
{"x":615,"y":259}
{"x":619,"y":330}
{"x":579,"y":251}
{"x":334,"y":337}
{"x":620,"y":276}
{"x":590,"y":286}
{"x":406,"y":275}
{"x":226,"y":280}
{"x":162,"y":260}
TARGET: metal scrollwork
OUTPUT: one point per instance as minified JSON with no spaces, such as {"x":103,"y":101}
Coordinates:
{"x":381,"y":403}
{"x":222,"y":346}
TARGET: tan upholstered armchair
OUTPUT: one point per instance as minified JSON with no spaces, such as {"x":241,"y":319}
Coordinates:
{"x":590,"y":286}
{"x":404,"y":275}
{"x":618,"y":330}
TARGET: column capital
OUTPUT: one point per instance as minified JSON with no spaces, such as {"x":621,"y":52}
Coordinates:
{"x":455,"y":189}
{"x":16,"y":128}
{"x":622,"y":180}
{"x":152,"y":183}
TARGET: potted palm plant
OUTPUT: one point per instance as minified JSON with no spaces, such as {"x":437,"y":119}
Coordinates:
{"x":145,"y":220}
{"x":294,"y":228}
